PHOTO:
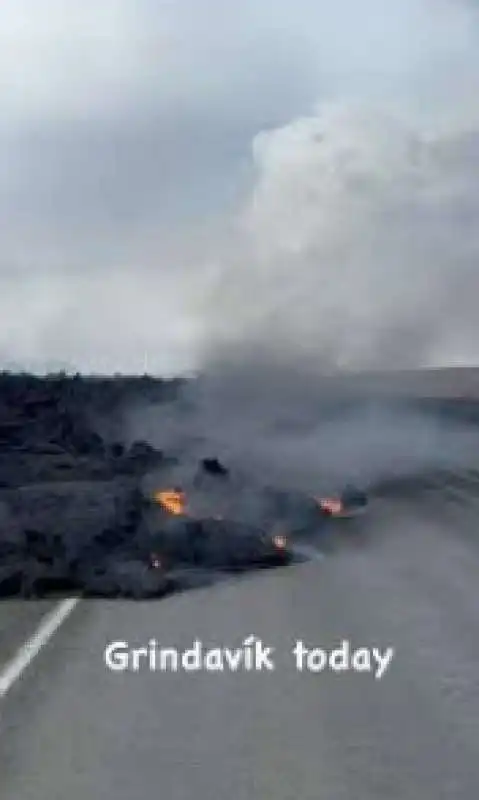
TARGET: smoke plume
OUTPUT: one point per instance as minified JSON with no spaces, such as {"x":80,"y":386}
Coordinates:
{"x":358,"y":247}
{"x":297,"y":179}
{"x":355,"y":249}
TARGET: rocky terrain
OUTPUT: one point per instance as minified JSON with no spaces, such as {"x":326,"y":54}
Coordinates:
{"x":71,"y":496}
{"x":69,"y":487}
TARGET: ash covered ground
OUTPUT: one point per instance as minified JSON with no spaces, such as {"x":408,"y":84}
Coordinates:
{"x":84,"y":462}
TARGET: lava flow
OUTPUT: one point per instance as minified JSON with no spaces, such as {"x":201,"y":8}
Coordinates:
{"x":172,"y":500}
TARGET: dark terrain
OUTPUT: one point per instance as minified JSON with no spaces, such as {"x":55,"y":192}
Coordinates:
{"x":73,"y":509}
{"x":75,"y":516}
{"x":69,"y":494}
{"x":404,"y":575}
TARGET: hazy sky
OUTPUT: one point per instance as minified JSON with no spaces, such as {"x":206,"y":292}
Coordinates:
{"x":186,"y":178}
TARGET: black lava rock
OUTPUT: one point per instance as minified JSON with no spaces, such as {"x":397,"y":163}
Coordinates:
{"x":213,"y":467}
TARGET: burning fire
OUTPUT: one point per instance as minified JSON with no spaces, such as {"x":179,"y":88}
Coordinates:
{"x":332,"y":505}
{"x":172,"y":500}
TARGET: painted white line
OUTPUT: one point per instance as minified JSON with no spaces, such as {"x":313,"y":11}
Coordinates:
{"x":27,"y":652}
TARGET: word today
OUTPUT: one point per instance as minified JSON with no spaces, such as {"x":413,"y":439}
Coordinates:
{"x":251,"y":656}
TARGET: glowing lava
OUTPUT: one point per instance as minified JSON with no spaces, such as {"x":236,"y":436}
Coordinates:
{"x":172,"y":500}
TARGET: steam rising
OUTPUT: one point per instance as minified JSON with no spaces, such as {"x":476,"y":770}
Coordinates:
{"x":358,"y":247}
{"x":284,"y":426}
{"x":298,"y":179}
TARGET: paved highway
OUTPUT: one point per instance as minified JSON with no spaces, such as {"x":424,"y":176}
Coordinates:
{"x":18,"y":620}
{"x":72,"y":728}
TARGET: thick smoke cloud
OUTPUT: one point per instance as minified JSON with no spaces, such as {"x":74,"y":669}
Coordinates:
{"x":360,"y":244}
{"x":342,"y":232}
{"x":282,"y":425}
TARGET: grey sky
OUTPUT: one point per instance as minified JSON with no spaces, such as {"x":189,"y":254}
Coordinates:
{"x":129,"y":161}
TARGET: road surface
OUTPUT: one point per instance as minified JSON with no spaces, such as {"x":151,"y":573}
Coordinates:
{"x":72,"y":728}
{"x":18,"y":620}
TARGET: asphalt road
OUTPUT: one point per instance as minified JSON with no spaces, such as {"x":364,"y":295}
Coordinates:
{"x":18,"y":620}
{"x":71,"y":728}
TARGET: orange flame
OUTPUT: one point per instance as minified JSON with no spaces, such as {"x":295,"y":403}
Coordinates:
{"x":172,"y":500}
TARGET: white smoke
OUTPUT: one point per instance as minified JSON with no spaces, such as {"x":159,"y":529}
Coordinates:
{"x":358,"y":246}
{"x":125,"y":129}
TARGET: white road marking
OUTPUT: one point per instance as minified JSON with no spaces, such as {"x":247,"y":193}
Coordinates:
{"x":27,"y":652}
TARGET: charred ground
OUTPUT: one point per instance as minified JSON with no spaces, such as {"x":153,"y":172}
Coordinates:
{"x":74,"y":514}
